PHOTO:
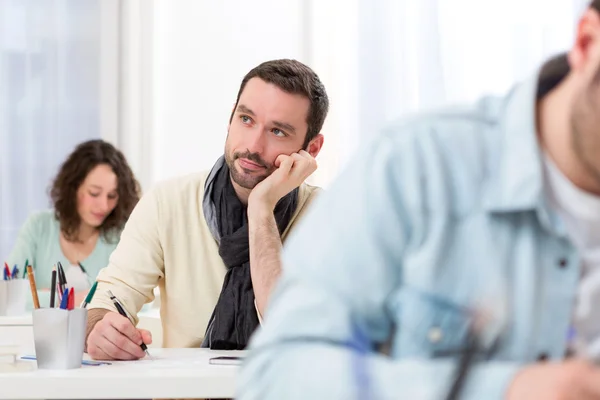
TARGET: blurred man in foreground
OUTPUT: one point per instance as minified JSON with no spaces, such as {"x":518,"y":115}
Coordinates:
{"x":472,"y":232}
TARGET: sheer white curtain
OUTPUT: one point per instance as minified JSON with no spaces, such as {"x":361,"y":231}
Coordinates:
{"x":53,"y":83}
{"x":381,"y":59}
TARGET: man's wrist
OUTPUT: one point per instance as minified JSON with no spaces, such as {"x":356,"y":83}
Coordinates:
{"x":260,"y":211}
{"x":95,"y":315}
{"x":259,"y":206}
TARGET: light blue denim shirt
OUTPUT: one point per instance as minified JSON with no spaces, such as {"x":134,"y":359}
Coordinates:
{"x":441,"y":215}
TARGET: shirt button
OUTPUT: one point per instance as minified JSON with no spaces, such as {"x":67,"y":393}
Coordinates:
{"x":563,"y":262}
{"x":542,"y":357}
{"x":435,"y":335}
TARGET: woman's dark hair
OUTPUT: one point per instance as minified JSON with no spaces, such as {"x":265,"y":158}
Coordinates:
{"x":63,"y":192}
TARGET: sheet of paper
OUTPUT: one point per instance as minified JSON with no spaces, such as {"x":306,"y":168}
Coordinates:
{"x":159,"y":362}
{"x":166,"y":363}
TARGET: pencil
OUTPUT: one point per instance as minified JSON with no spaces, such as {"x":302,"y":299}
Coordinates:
{"x":34,"y":294}
{"x":53,"y":287}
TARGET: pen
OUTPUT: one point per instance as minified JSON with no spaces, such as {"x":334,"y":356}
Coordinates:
{"x":465,"y":364}
{"x":62,"y":279}
{"x":7,"y":274}
{"x":90,"y":295}
{"x":84,"y":271}
{"x":53,"y":287}
{"x":34,"y":294}
{"x":59,"y":284}
{"x":81,"y":267}
{"x":71,"y":299}
{"x":121,"y":311}
{"x":64,"y":303}
{"x":25,"y":268}
{"x":15,"y":272}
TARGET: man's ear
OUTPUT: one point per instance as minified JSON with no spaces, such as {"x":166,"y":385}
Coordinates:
{"x":314,"y":146}
{"x":587,"y":41}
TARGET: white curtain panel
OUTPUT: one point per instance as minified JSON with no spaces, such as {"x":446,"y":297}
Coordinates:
{"x":49,"y":98}
{"x":382,"y":59}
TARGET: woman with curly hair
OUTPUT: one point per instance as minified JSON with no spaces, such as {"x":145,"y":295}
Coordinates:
{"x":92,"y":197}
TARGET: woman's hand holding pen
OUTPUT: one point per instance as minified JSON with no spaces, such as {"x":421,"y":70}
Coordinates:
{"x":115,"y":338}
{"x":572,"y":379}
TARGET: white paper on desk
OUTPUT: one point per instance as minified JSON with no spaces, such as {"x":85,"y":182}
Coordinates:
{"x":167,"y":363}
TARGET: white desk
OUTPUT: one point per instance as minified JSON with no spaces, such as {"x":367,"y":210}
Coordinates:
{"x":18,"y":330}
{"x":176,"y":373}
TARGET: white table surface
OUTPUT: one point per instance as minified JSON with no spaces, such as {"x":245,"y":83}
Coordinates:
{"x":175,"y":373}
{"x":19,"y":320}
{"x":25,"y":319}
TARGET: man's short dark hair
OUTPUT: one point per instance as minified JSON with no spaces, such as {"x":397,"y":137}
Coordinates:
{"x":595,"y":4}
{"x":293,"y":77}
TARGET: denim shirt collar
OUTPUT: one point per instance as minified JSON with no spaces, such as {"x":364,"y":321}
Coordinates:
{"x":517,"y":175}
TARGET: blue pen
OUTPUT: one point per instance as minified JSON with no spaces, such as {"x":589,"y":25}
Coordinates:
{"x":65,"y":300}
{"x":15,"y":272}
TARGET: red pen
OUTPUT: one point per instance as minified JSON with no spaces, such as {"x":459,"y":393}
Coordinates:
{"x":71,"y":300}
{"x":6,"y":271}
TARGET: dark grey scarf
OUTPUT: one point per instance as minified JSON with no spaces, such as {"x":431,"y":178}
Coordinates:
{"x":234,"y":318}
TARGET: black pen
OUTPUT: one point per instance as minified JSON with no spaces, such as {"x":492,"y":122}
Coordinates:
{"x":62,"y":279}
{"x":121,"y":311}
{"x":465,"y":364}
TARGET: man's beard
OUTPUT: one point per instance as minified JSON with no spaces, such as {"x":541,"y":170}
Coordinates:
{"x":247,"y":180}
{"x":585,"y":139}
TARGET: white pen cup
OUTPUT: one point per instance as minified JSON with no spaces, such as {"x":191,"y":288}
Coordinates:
{"x":13,"y":297}
{"x":59,"y":337}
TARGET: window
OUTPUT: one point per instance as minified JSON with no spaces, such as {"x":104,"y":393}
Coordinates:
{"x":57,"y":82}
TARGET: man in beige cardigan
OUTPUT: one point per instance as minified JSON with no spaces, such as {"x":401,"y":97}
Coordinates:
{"x":212,"y":241}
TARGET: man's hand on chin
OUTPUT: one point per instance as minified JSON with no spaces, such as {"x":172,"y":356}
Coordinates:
{"x":291,"y":172}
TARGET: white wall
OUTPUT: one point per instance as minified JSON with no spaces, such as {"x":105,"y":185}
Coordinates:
{"x":201,"y":51}
{"x":183,"y":62}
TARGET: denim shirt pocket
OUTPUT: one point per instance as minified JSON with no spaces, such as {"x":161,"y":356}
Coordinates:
{"x":428,"y":325}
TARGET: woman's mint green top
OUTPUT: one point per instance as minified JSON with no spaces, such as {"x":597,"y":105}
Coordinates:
{"x":39,"y":242}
